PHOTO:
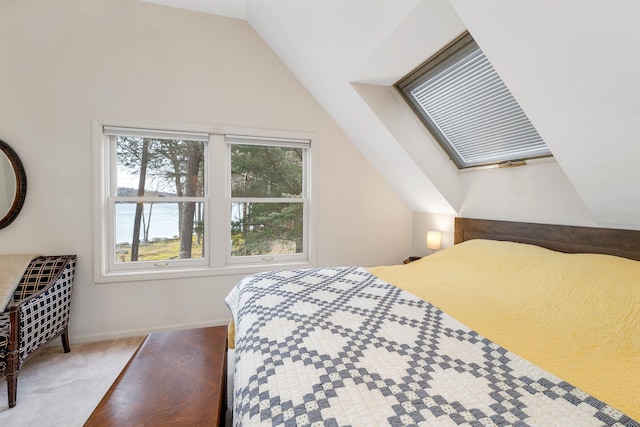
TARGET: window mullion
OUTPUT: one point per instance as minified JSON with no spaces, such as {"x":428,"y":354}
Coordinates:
{"x":266,"y":200}
{"x":143,"y":199}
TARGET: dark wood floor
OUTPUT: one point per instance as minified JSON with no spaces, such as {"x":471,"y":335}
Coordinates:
{"x":175,"y":378}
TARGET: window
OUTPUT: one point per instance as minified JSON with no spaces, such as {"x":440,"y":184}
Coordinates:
{"x":193,"y":203}
{"x":157,"y":200}
{"x":466,"y":106}
{"x":268,"y":198}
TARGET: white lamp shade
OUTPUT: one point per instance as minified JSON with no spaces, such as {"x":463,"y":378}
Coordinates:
{"x":434,"y":240}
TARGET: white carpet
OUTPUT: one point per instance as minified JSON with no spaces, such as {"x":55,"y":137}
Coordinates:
{"x":57,"y":389}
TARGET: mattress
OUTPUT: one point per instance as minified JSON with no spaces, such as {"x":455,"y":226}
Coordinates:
{"x":575,"y":315}
{"x":342,"y":346}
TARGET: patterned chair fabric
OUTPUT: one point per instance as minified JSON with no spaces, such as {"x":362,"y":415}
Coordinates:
{"x":40,"y":307}
{"x":4,"y":340}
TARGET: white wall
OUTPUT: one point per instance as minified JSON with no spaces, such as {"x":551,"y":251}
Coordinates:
{"x":424,"y":222}
{"x":537,"y":192}
{"x":65,"y":62}
{"x":349,"y":60}
{"x":573,"y":67}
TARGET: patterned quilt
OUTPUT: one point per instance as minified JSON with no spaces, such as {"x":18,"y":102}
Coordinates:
{"x":340,"y":347}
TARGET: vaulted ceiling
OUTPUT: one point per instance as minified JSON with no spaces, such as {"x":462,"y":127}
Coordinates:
{"x":574,"y":67}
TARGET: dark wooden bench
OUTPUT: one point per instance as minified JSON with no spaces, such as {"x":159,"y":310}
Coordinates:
{"x":174,"y":378}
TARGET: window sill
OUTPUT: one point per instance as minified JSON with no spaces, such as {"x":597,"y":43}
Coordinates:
{"x":181,"y":273}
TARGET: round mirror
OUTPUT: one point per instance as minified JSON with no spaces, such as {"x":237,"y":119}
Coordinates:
{"x":13,"y":184}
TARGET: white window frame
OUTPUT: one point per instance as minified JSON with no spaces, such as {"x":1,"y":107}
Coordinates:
{"x":305,"y":145}
{"x":217,"y":260}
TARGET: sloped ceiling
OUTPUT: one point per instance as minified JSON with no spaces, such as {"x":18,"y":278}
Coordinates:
{"x":574,"y":67}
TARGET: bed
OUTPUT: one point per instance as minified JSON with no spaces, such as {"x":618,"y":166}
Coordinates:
{"x":516,"y":324}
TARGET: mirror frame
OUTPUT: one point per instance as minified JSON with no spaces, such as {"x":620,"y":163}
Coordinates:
{"x":21,"y":184}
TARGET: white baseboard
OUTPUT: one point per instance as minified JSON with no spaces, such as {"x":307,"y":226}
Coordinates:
{"x":79,"y":339}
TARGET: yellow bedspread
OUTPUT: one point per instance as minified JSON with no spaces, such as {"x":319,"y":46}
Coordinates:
{"x":577,"y":316}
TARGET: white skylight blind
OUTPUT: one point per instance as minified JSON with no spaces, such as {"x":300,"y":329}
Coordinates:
{"x":468,"y":108}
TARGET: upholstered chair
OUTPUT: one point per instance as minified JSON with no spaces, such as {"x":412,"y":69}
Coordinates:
{"x":38,"y":313}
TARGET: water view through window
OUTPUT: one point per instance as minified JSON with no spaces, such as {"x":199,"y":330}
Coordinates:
{"x":159,"y":238}
{"x":159,"y":206}
{"x":163,"y":221}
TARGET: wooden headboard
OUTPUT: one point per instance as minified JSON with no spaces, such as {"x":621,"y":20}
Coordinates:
{"x":563,"y":238}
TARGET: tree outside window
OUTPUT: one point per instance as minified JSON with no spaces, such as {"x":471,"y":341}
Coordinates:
{"x":268,"y":194}
{"x":158,"y":216}
{"x":199,"y":201}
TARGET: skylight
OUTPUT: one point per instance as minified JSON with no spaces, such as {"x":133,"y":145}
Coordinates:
{"x":469,"y":110}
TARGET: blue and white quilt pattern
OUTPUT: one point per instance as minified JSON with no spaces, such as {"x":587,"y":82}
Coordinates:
{"x":340,"y":347}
